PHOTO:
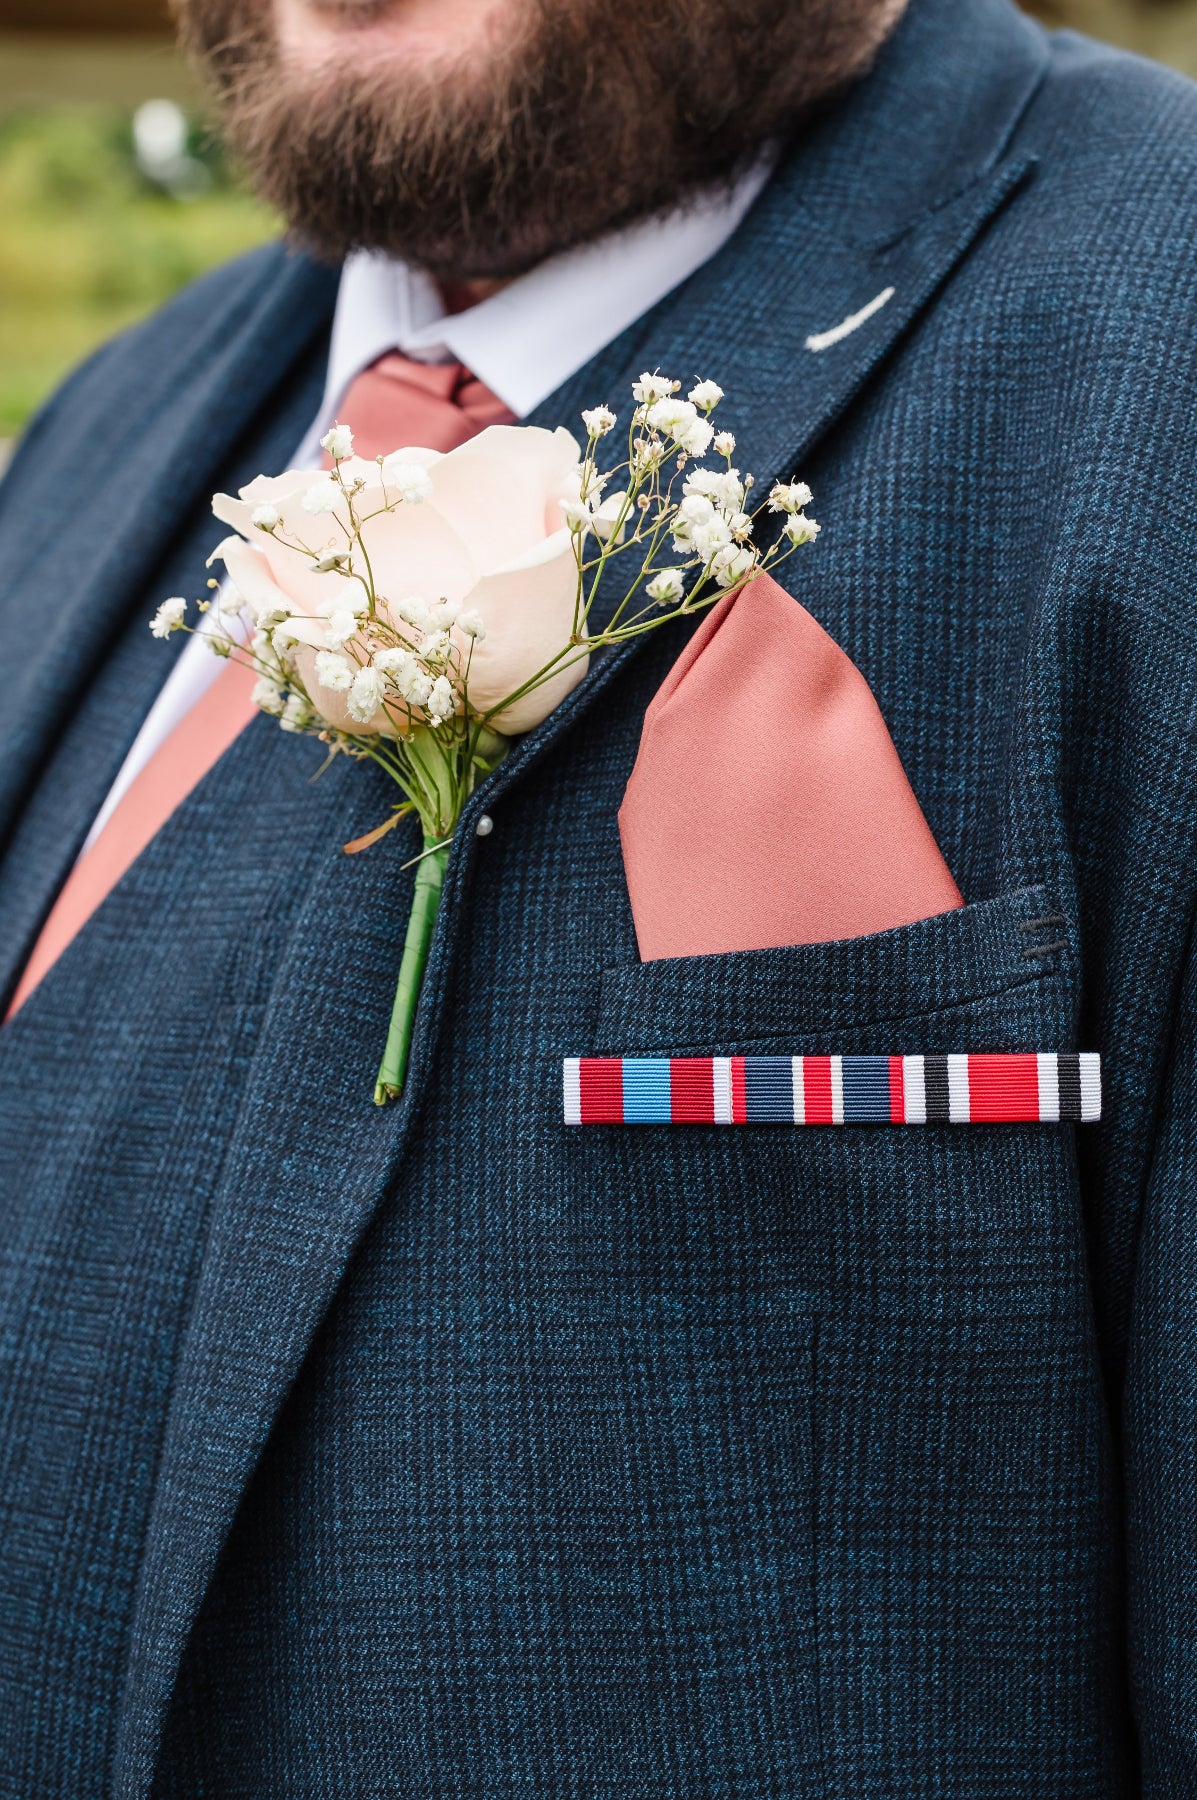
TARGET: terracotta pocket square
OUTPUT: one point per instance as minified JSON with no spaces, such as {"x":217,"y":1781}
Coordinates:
{"x":768,"y":805}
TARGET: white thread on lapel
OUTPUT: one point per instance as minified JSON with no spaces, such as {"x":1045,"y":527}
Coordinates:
{"x":823,"y":340}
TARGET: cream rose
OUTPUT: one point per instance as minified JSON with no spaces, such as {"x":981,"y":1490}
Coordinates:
{"x":488,"y":534}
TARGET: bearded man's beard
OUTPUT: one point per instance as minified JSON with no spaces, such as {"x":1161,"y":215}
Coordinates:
{"x":579,"y":122}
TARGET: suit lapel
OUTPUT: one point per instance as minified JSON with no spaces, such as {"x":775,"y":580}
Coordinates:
{"x":168,"y":438}
{"x":283,"y":1230}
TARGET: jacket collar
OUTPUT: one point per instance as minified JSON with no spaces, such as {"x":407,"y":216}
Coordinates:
{"x":887,"y":193}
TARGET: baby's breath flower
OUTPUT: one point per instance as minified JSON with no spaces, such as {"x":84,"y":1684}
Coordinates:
{"x":576,"y":514}
{"x":365,"y":695}
{"x":599,"y":421}
{"x":266,"y":518}
{"x":706,"y":395}
{"x":283,"y":636}
{"x":415,"y":686}
{"x":711,"y":537}
{"x":436,"y":646}
{"x":697,"y":440}
{"x":471,"y":623}
{"x":440,"y":700}
{"x":342,"y":625}
{"x":411,"y":480}
{"x":651,"y":388}
{"x":725,"y":443}
{"x":789,"y":496}
{"x":268,"y":697}
{"x":330,"y":561}
{"x":267,"y":617}
{"x":703,"y":481}
{"x":444,"y":614}
{"x":740,"y":525}
{"x":338,"y":442}
{"x":730,"y":490}
{"x":667,"y":587}
{"x":334,"y":671}
{"x":297,"y":715}
{"x":673,"y":417}
{"x":321,"y":497}
{"x":800,"y":529}
{"x":414,"y":611}
{"x":697,"y":509}
{"x":731,"y":564}
{"x":169,"y":617}
{"x":230,"y":600}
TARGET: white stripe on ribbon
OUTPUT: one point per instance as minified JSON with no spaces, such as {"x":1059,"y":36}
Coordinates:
{"x":573,"y":1090}
{"x":799,"y":1091}
{"x":914,"y":1090}
{"x":1090,"y":1085}
{"x":837,"y":1090}
{"x":723,"y":1090}
{"x":958,"y":1099}
{"x":1049,"y":1086}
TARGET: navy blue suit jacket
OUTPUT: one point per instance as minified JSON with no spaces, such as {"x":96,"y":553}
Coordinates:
{"x":444,"y":1451}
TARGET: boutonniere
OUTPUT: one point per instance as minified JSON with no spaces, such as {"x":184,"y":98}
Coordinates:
{"x":420,"y":611}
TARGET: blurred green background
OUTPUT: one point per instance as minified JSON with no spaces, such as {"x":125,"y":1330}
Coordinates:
{"x":113,"y":194}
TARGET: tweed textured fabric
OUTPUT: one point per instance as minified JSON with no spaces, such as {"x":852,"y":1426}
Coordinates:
{"x":450,"y":1451}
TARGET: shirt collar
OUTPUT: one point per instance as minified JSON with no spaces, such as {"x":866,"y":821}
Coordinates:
{"x":529,"y":338}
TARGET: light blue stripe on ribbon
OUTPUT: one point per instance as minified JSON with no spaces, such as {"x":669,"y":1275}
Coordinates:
{"x":646,"y":1098}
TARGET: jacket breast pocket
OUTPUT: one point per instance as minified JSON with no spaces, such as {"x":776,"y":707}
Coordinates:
{"x":990,"y":976}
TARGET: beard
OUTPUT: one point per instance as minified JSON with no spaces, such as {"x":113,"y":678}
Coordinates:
{"x":569,"y":127}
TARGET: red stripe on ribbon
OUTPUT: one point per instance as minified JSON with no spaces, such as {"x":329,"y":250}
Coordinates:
{"x":692,"y":1090}
{"x":817,"y":1072}
{"x":897,"y":1091}
{"x":600,"y":1085}
{"x":1002,"y":1088}
{"x":739,"y":1092}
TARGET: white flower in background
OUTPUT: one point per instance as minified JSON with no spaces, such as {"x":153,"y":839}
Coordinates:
{"x":415,"y":686}
{"x":297,"y":715}
{"x":333,"y":671}
{"x":282,"y":637}
{"x":321,"y":497}
{"x":732,"y":564}
{"x":577,"y":515}
{"x":666,"y":588}
{"x":799,"y":529}
{"x":436,"y":646}
{"x":472,"y":624}
{"x":231,"y":600}
{"x":740,"y":525}
{"x":789,"y":496}
{"x":651,"y":388}
{"x":365,"y":695}
{"x":338,"y":442}
{"x":706,"y":395}
{"x":268,"y":697}
{"x":267,"y":518}
{"x":410,"y":480}
{"x":599,"y":421}
{"x":444,"y":614}
{"x":725,"y":443}
{"x":169,"y":617}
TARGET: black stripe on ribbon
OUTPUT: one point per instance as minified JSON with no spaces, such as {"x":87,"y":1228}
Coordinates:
{"x":935,"y":1082}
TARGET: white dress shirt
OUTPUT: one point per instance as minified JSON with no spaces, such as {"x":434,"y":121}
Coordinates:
{"x":522,"y":343}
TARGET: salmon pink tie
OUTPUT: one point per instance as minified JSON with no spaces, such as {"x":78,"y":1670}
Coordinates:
{"x":393,"y":404}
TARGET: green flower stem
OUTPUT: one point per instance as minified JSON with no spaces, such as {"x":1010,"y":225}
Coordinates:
{"x":425,"y":904}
